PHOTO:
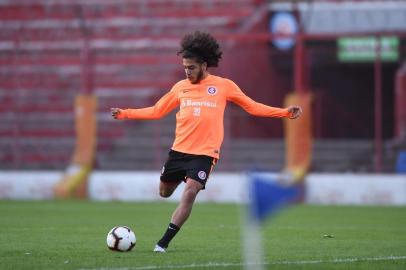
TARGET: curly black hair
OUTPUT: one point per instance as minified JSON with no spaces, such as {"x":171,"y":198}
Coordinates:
{"x":202,"y":46}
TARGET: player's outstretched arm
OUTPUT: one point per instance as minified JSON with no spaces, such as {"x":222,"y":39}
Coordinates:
{"x":164,"y":105}
{"x":294,"y":111}
{"x":258,"y":109}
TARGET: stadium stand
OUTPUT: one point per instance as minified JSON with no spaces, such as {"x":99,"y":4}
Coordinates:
{"x":41,"y":56}
{"x":133,"y":61}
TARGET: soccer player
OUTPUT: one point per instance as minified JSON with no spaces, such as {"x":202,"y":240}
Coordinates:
{"x":201,"y":99}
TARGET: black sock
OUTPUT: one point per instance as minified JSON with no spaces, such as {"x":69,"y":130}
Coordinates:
{"x":169,"y":234}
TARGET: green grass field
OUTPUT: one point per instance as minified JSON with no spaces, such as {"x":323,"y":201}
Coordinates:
{"x":71,"y":235}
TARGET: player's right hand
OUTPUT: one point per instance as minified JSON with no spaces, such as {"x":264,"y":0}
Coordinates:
{"x":115,"y":112}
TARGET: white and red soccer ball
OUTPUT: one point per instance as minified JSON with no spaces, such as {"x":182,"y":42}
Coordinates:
{"x":121,"y":238}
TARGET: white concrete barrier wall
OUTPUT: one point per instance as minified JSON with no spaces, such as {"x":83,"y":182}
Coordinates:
{"x":128,"y":186}
{"x":28,"y":185}
{"x":362,"y":189}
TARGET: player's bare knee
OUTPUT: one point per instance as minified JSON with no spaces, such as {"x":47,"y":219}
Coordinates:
{"x":166,"y":189}
{"x":193,"y":185}
{"x":190,"y":194}
{"x":165,"y":193}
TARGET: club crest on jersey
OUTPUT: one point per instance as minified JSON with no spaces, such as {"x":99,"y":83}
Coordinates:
{"x":212,"y":90}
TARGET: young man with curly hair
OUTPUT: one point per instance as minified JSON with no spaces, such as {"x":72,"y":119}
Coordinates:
{"x":201,"y":99}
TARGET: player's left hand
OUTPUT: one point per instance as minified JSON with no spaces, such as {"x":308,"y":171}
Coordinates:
{"x":295,"y":112}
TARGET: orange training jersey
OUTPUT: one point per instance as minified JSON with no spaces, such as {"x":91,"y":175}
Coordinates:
{"x":199,"y":121}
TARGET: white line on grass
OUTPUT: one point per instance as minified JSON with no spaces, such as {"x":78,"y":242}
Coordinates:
{"x":225,"y":265}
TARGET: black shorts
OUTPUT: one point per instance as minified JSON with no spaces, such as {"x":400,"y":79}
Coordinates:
{"x":180,"y":166}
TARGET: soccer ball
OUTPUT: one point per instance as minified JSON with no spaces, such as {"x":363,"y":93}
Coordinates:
{"x":121,"y":238}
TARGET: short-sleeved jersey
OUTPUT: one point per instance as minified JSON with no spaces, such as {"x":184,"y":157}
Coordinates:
{"x":199,"y":121}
